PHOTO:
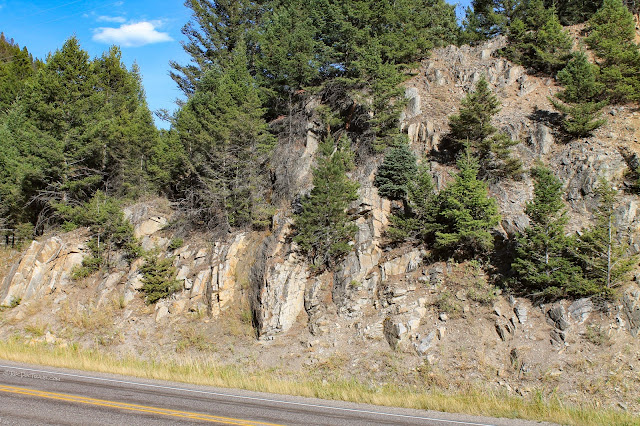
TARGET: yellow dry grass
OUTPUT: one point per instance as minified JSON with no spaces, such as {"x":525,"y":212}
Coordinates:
{"x":203,"y":372}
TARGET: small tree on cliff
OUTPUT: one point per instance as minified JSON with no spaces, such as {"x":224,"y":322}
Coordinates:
{"x":472,"y":127}
{"x":465,"y":213}
{"x":323,"y":227}
{"x":417,"y":221}
{"x":396,"y":171}
{"x":603,"y":249}
{"x":580,"y":105}
{"x":542,"y":265}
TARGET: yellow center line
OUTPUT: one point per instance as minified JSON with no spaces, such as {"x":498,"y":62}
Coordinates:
{"x":131,"y":407}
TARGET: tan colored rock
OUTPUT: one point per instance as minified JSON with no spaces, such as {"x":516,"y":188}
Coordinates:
{"x":402,"y":264}
{"x":49,"y":250}
{"x":149,"y":226}
{"x":227,"y":272}
{"x":178,"y":306}
{"x":162,"y":312}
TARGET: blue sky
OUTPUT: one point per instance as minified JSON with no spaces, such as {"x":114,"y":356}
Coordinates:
{"x":148,"y":32}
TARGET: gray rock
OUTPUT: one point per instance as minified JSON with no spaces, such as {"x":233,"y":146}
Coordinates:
{"x":631,"y":307}
{"x":162,"y":312}
{"x":502,"y":333}
{"x":580,"y":309}
{"x":425,"y":344}
{"x":558,"y":316}
{"x":413,"y":104}
{"x":521,"y":312}
{"x":542,"y":139}
{"x":394,"y":332}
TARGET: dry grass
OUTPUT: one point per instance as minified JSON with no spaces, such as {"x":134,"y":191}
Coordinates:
{"x":203,"y":372}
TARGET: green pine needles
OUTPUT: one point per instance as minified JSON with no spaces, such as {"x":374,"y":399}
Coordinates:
{"x":550,"y":264}
{"x":603,"y":250}
{"x":580,"y":96}
{"x":466,"y":214}
{"x":158,"y":280}
{"x":324,"y":230}
{"x":472,"y":128}
{"x":542,"y":263}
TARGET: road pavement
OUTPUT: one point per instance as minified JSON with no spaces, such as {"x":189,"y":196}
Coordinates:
{"x":35,"y":395}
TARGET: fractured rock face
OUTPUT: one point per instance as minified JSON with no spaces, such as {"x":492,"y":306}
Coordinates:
{"x":580,"y":309}
{"x":631,"y":306}
{"x":44,"y":267}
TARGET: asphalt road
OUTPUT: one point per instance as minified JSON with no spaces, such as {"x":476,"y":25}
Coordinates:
{"x":33,"y":395}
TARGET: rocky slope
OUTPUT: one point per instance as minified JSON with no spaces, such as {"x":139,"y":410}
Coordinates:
{"x":384,"y":315}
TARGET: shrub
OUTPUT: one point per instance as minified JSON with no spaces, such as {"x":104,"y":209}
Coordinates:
{"x":158,"y":281}
{"x":176,"y":243}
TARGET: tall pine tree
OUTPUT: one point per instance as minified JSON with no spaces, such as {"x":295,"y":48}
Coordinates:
{"x":472,"y":127}
{"x":580,"y":96}
{"x":323,"y":227}
{"x":466,"y":213}
{"x":612,"y":38}
{"x":603,"y":249}
{"x":226,"y":141}
{"x":542,"y":263}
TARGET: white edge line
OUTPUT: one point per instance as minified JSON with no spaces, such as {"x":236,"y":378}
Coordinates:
{"x":251,"y":398}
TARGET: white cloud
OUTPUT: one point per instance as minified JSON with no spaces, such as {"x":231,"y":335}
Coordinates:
{"x":132,"y":35}
{"x":116,"y":19}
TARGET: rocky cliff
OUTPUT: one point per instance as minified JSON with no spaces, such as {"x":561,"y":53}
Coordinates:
{"x":384,"y":314}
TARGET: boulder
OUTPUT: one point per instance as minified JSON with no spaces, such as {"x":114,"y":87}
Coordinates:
{"x":558,"y":317}
{"x":394,"y":331}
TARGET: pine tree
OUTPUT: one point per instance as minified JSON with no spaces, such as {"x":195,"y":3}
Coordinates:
{"x":487,"y":18}
{"x":542,"y":265}
{"x":466,"y":214}
{"x":472,"y":127}
{"x":580,"y":95}
{"x":226,"y":141}
{"x":418,"y":218}
{"x":288,"y":57}
{"x":217,"y":28}
{"x":573,"y":12}
{"x":158,"y":278}
{"x":537,"y":40}
{"x":612,"y":38}
{"x":603,"y":249}
{"x":323,"y":228}
{"x":16,"y":66}
{"x":395,"y":173}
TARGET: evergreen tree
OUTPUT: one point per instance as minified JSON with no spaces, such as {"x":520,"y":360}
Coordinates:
{"x":465,"y":213}
{"x":612,"y":38}
{"x":16,"y":66}
{"x":418,"y":218}
{"x":226,"y":141}
{"x":158,"y":278}
{"x":78,"y":126}
{"x":217,"y":28}
{"x":487,"y":18}
{"x":573,"y":12}
{"x":323,"y":228}
{"x":542,"y":265}
{"x":288,"y":57}
{"x":580,"y":95}
{"x":603,"y":249}
{"x":538,"y":40}
{"x":395,"y":173}
{"x":472,"y":127}
{"x":123,"y":117}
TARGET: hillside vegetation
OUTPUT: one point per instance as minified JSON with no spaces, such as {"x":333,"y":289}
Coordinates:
{"x":373,"y":165}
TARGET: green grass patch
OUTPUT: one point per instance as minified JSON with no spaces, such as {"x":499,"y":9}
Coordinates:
{"x":204,"y":372}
